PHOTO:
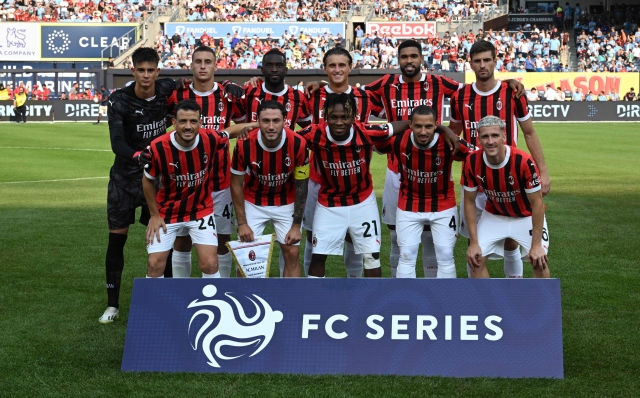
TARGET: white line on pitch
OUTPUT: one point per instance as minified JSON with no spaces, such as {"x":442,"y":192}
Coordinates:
{"x":57,"y":149}
{"x":64,"y":179}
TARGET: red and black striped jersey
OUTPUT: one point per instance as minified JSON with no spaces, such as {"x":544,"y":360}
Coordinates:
{"x":367,"y":105}
{"x":400,"y":97}
{"x":185,"y":173}
{"x":344,"y":165}
{"x":426,"y":183}
{"x":469,"y":105}
{"x":269,"y":178}
{"x":293,"y":100}
{"x":506,"y":184}
{"x":217,"y":114}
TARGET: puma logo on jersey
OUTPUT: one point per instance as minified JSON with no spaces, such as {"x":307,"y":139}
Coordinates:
{"x":482,"y":178}
{"x":405,"y":154}
{"x":257,"y":163}
{"x":141,"y":111}
{"x":259,"y":100}
{"x":174,"y":164}
{"x":395,"y":86}
{"x":468,"y":106}
{"x":110,"y":103}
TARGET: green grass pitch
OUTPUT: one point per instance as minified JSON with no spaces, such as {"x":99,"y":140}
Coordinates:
{"x":53,"y":237}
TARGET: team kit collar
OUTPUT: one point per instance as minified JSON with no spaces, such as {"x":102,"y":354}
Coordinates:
{"x":204,"y":94}
{"x":283,"y":92}
{"x":422,"y":78}
{"x":345,"y":142}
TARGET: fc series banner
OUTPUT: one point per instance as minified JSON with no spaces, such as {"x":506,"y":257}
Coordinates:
{"x":261,"y":29}
{"x":460,"y":328}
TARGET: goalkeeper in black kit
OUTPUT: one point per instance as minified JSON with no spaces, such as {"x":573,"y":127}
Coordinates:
{"x":137,"y":115}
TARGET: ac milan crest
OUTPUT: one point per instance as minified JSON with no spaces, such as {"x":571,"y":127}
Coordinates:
{"x":358,"y":148}
{"x":205,"y":159}
{"x":220,"y":106}
{"x":499,"y":105}
{"x":288,"y":107}
{"x":511,"y":179}
{"x":314,"y":241}
{"x":252,"y":255}
{"x":287,"y":161}
{"x":426,"y":86}
{"x":438,"y":161}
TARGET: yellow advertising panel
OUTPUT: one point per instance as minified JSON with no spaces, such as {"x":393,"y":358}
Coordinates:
{"x":587,"y":81}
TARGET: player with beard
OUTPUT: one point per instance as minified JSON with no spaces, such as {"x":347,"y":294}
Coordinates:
{"x":137,"y":115}
{"x":219,"y":107}
{"x":400,"y":94}
{"x":346,"y":203}
{"x":182,"y":162}
{"x":273,"y":87}
{"x":491,"y":97}
{"x":270,"y":174}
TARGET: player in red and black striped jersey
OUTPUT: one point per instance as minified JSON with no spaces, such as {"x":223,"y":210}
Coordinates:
{"x":514,"y":209}
{"x":337,"y":64}
{"x":269,"y":183}
{"x":346,"y":203}
{"x":219,"y":108}
{"x":426,"y":195}
{"x":488,"y":96}
{"x":274,"y":70}
{"x":182,"y":162}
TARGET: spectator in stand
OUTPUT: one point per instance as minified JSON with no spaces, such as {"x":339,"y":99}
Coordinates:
{"x":590,"y":97}
{"x":4,"y":93}
{"x":560,"y":95}
{"x":63,"y":97}
{"x":577,"y":95}
{"x":550,"y":94}
{"x":532,"y":95}
{"x":602,"y":97}
{"x":73,"y":93}
{"x":630,"y":96}
{"x":613,"y":95}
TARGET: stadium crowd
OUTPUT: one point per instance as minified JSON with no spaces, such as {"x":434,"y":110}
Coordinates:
{"x":43,"y":93}
{"x":93,"y":11}
{"x":440,"y":10}
{"x":601,"y":47}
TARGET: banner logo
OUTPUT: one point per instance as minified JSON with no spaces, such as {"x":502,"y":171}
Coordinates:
{"x":293,"y":30}
{"x":252,"y":255}
{"x":58,"y":41}
{"x":15,"y":38}
{"x":233,"y":327}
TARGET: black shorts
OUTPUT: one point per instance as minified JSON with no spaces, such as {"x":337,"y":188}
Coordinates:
{"x":124,"y":196}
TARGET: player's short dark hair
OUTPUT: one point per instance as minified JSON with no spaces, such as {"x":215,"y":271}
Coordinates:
{"x":187,"y":105}
{"x":337,"y":51}
{"x":275,"y":51}
{"x":204,"y":49}
{"x":348,"y":102}
{"x":409,"y":43}
{"x":145,"y":54}
{"x":423,"y":110}
{"x":272,"y":105}
{"x":482,"y":46}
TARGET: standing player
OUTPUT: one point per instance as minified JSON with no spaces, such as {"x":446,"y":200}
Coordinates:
{"x":337,"y":64}
{"x":269,"y":183}
{"x":183,"y":162}
{"x":427,"y":196}
{"x":346,"y":202}
{"x":514,"y":207}
{"x":218,"y":110}
{"x":488,"y":96}
{"x":137,"y":115}
{"x":274,"y":69}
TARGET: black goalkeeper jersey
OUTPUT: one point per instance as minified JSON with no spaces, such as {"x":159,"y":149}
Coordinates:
{"x":135,"y":122}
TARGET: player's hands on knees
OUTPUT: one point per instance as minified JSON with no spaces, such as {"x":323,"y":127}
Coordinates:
{"x":253,"y":82}
{"x":474,"y":254}
{"x":293,"y":236}
{"x":545,"y":181}
{"x":156,"y":223}
{"x":537,"y":257}
{"x":245,"y":234}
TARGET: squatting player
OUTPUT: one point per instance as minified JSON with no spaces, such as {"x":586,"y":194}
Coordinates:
{"x":183,"y":162}
{"x":137,"y":115}
{"x":427,"y":196}
{"x":270,"y":175}
{"x":514,"y":207}
{"x":488,"y":96}
{"x":218,"y":109}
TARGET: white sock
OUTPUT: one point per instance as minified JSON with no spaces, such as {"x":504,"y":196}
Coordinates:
{"x":181,"y":264}
{"x":308,"y":251}
{"x":281,"y":263}
{"x":429,"y":261}
{"x":225,"y":265}
{"x":352,"y":261}
{"x":155,"y":277}
{"x":407,"y":262}
{"x":513,"y":263}
{"x":216,"y":275}
{"x":395,"y":254}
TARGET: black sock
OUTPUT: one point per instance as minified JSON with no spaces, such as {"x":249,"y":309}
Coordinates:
{"x":114,"y":265}
{"x":168,"y":269}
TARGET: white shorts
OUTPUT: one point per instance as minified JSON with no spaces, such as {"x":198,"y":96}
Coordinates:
{"x":390,"y":197}
{"x":202,"y":232}
{"x":444,"y":227}
{"x":222,"y":211}
{"x":481,"y":201}
{"x":280,"y":216}
{"x":494,"y":229}
{"x":361,"y":221}
{"x":310,"y":205}
{"x":102,"y":110}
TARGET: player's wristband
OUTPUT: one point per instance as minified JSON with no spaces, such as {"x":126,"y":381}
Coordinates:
{"x":244,"y":223}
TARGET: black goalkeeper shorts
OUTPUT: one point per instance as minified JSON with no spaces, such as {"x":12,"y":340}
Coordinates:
{"x":124,"y":196}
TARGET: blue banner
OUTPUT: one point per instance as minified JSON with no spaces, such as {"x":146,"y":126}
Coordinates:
{"x":460,"y":328}
{"x":261,"y":29}
{"x":84,"y":42}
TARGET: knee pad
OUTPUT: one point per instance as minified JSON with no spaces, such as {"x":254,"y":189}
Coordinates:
{"x":371,"y":260}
